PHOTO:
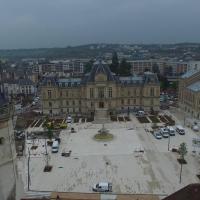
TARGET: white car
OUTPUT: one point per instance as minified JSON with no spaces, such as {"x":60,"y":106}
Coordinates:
{"x":55,"y":146}
{"x":69,"y":119}
{"x":164,"y":132}
{"x":157,"y":135}
{"x":102,"y":187}
{"x":171,"y":130}
{"x":195,"y":128}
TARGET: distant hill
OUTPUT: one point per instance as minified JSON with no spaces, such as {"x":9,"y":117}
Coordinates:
{"x":91,"y":50}
{"x":85,"y":51}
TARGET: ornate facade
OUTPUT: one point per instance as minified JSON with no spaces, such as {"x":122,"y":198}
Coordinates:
{"x":99,"y":90}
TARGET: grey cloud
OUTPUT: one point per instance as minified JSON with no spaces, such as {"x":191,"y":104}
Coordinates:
{"x":49,"y":23}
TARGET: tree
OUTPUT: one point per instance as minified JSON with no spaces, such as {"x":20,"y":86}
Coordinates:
{"x":115,"y":63}
{"x":50,"y":133}
{"x":155,"y":68}
{"x":88,"y":66}
{"x":124,"y":68}
{"x":164,"y":83}
{"x":182,"y":150}
{"x":174,"y":85}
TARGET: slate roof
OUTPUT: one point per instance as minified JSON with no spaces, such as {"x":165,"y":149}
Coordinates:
{"x":100,"y":67}
{"x":190,"y":192}
{"x":131,"y":80}
{"x":25,"y":82}
{"x":52,"y":79}
{"x":19,"y":81}
{"x":68,"y":82}
{"x":150,"y":77}
{"x":195,"y":87}
{"x":189,"y":73}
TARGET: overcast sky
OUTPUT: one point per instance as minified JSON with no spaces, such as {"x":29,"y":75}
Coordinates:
{"x":59,"y":23}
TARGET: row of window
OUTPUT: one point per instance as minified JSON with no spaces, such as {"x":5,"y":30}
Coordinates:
{"x":101,"y":92}
{"x":73,"y":103}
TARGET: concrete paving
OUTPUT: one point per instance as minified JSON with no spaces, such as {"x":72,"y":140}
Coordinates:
{"x":119,"y":161}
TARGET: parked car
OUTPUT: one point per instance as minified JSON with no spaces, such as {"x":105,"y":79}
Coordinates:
{"x":33,"y":103}
{"x":171,"y":130}
{"x":19,"y":135}
{"x":58,"y":139}
{"x":69,"y":119}
{"x":102,"y":187}
{"x":195,"y":128}
{"x":140,"y":113}
{"x":164,"y":132}
{"x":157,"y":135}
{"x":55,"y":146}
{"x":180,"y":130}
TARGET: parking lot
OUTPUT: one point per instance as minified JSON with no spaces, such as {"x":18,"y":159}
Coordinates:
{"x":134,"y":161}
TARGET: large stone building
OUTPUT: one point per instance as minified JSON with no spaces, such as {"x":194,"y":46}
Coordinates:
{"x":189,"y":93}
{"x":100,"y":91}
{"x":7,"y":153}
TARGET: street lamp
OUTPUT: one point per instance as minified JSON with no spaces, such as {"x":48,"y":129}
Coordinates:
{"x":168,"y":142}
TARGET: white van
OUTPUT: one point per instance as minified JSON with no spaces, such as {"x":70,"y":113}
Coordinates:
{"x":171,"y":130}
{"x":55,"y":147}
{"x":102,"y":187}
{"x":180,"y":130}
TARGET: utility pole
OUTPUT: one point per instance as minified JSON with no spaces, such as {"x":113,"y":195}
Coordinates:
{"x":45,"y":146}
{"x":180,"y":173}
{"x":28,"y":169}
{"x":168,"y":142}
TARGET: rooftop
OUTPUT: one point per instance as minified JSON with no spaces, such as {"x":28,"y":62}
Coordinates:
{"x":189,"y":73}
{"x":195,"y":87}
{"x":190,"y":192}
{"x":100,"y":67}
{"x":97,"y":196}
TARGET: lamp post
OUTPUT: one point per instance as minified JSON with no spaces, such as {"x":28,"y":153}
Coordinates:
{"x":180,"y":173}
{"x":168,"y":142}
{"x":28,"y":169}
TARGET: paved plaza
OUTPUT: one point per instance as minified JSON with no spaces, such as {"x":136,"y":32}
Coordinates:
{"x":134,"y":161}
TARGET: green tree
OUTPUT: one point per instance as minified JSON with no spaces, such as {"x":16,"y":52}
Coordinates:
{"x":88,"y":66}
{"x":174,"y":85}
{"x":182,"y":150}
{"x":50,"y":133}
{"x":164,"y":83}
{"x":115,"y":63}
{"x":155,"y":68}
{"x":124,"y":68}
